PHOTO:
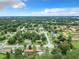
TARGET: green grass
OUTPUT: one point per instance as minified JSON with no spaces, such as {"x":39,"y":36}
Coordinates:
{"x":75,"y":44}
{"x":2,"y":56}
{"x":70,"y":55}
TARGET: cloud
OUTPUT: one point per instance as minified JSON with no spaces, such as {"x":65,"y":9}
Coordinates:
{"x":12,"y":3}
{"x":57,"y":12}
{"x":18,"y":5}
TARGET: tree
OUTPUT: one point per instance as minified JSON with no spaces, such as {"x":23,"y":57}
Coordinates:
{"x":2,"y":38}
{"x":7,"y":55}
{"x":11,"y":41}
{"x":63,"y":44}
{"x":18,"y":53}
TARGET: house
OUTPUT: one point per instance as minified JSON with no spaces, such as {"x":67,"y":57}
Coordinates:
{"x":30,"y":51}
{"x":75,"y":37}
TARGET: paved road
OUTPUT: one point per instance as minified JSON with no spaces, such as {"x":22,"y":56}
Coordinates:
{"x":49,"y":44}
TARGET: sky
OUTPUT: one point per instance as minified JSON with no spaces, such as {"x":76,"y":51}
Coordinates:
{"x":39,"y":7}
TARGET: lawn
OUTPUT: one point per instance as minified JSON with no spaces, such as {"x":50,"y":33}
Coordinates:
{"x":75,"y":44}
{"x":2,"y":56}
